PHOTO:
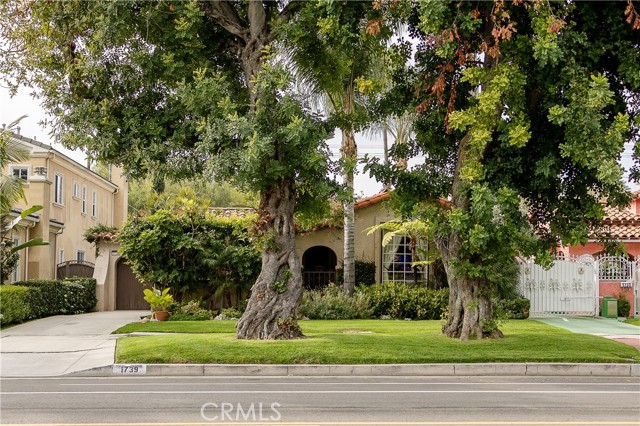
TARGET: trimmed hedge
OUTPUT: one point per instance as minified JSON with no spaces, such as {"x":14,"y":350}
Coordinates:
{"x":398,"y":300}
{"x":14,"y":304}
{"x":44,"y":298}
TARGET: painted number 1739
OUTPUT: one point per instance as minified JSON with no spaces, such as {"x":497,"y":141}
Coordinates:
{"x":127,"y":369}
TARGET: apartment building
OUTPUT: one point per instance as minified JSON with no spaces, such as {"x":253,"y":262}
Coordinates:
{"x":73,"y":197}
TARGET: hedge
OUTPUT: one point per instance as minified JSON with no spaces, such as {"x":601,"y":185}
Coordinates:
{"x":15,"y":304}
{"x":398,"y":300}
{"x":365,"y":273}
{"x":44,"y":298}
{"x":332,"y":303}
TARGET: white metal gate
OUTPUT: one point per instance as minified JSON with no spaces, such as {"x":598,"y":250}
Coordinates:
{"x":569,"y":287}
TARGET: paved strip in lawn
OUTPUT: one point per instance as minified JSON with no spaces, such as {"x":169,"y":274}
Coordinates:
{"x":610,"y":328}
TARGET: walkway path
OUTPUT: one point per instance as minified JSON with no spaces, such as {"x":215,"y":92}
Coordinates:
{"x":606,"y":327}
{"x":61,"y":344}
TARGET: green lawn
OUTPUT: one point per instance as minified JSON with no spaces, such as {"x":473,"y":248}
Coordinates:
{"x":633,"y":321}
{"x":364,"y":342}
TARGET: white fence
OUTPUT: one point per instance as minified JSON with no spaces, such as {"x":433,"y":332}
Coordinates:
{"x":569,"y":287}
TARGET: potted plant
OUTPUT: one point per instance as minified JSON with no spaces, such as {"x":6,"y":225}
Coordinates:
{"x":160,"y":301}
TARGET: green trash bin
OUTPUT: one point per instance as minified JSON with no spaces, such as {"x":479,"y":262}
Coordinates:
{"x":609,"y":307}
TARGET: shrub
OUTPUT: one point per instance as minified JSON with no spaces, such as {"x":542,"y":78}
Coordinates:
{"x":333,"y":303}
{"x":231,"y":313}
{"x":365,"y":273}
{"x":188,"y":249}
{"x":401,"y":301}
{"x":82,"y":291}
{"x":54,"y":297}
{"x":49,"y":301}
{"x":624,"y":307}
{"x":516,"y":308}
{"x":15,"y":304}
{"x":191,"y":311}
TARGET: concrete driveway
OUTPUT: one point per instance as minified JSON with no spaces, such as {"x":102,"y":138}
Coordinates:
{"x":61,"y":344}
{"x":605,"y":327}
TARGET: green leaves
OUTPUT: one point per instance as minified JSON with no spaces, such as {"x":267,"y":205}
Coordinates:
{"x":186,"y":249}
{"x":592,"y":139}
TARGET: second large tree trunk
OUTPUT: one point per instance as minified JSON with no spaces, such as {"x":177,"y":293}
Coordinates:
{"x":273,"y":306}
{"x":470,"y":312}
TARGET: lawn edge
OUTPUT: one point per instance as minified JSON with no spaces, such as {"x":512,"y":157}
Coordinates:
{"x":342,"y":370}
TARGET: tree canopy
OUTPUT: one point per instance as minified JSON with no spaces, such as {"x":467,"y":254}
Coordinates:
{"x":178,"y":88}
{"x":523,"y":111}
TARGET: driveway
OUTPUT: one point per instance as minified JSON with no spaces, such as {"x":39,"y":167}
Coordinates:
{"x":605,"y":327}
{"x":61,"y":344}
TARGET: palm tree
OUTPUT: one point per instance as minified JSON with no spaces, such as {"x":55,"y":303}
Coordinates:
{"x":11,"y":190}
{"x":331,"y":54}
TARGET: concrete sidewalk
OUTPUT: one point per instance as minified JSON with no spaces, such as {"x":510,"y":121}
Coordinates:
{"x":61,"y":344}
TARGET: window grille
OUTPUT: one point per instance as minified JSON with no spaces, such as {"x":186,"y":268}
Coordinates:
{"x":397,"y":261}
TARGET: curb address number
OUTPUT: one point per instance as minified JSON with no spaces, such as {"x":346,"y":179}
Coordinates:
{"x":130,"y":369}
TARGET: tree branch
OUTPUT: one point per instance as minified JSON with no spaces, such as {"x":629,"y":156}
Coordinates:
{"x":290,"y":9}
{"x":224,"y":14}
{"x":257,"y":17}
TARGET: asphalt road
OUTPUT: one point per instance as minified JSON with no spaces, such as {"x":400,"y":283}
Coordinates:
{"x":188,"y":401}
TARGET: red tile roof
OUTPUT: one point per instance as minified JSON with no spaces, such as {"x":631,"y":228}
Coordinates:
{"x":373,"y":199}
{"x":623,"y":224}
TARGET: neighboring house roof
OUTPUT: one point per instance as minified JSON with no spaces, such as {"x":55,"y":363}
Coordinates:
{"x":622,"y":224}
{"x":373,"y":199}
{"x":384,"y":196}
{"x":46,"y":147}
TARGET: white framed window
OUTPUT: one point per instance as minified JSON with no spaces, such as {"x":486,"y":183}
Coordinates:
{"x":94,"y":203}
{"x":76,"y":190}
{"x":15,"y":276}
{"x":21,"y":172}
{"x":84,"y":199}
{"x":397,"y":260}
{"x":57,"y":189}
{"x":80,"y":255}
{"x":61,"y":256}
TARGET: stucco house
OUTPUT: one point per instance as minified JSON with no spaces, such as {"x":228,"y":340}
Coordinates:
{"x":321,"y":251}
{"x":73,"y":197}
{"x":622,"y":224}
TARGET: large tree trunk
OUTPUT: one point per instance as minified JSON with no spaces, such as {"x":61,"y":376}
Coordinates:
{"x":469,"y":299}
{"x":470,"y":311}
{"x":273,"y":306}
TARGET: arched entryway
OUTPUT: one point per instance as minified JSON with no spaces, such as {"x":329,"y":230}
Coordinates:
{"x":319,"y":263}
{"x":129,"y":295}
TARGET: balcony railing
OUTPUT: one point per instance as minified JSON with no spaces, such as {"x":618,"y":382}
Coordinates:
{"x":315,"y":280}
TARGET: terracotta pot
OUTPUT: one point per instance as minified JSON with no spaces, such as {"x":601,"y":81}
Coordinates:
{"x":161,"y":315}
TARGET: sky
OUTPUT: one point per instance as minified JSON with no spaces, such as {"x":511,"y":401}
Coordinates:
{"x":24,"y":104}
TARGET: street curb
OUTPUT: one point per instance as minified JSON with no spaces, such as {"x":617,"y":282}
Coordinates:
{"x":487,"y":369}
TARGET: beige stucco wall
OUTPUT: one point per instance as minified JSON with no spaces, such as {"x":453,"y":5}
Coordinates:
{"x":367,"y":247}
{"x":63,"y":224}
